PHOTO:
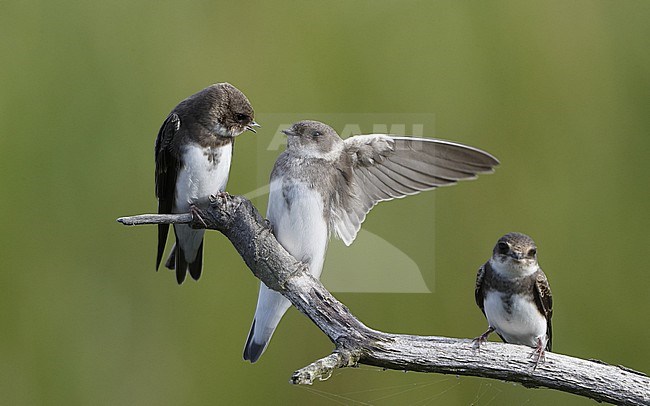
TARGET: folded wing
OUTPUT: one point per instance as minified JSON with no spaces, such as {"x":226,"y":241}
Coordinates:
{"x":166,"y":172}
{"x":544,"y":300}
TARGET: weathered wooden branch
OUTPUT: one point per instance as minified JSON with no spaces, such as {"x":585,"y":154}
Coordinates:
{"x":237,"y":219}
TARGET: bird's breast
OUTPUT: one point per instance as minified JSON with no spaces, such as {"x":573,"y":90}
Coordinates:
{"x":204,"y":171}
{"x":296,"y":212}
{"x":515,"y":317}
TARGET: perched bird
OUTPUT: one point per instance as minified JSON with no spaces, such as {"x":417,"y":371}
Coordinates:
{"x":514,"y":295}
{"x":193,"y":152}
{"x":322,"y":184}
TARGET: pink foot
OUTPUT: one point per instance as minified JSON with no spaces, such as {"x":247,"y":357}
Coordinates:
{"x":476,"y":343}
{"x":539,"y":354}
{"x":194,"y":211}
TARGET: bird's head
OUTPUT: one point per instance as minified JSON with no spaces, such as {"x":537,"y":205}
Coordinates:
{"x":515,"y":253}
{"x":231,"y":112}
{"x":313,"y":139}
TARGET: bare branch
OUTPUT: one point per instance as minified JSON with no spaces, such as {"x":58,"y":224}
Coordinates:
{"x":250,"y":234}
{"x":156,"y":219}
{"x":324,"y":367}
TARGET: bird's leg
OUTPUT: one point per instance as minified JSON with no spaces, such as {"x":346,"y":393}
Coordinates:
{"x":538,"y":354}
{"x":482,"y":338}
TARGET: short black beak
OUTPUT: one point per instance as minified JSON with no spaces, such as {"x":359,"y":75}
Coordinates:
{"x":251,"y":127}
{"x":516,"y":255}
{"x":289,"y":132}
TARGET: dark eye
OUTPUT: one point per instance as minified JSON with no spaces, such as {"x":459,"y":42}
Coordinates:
{"x":503,"y":247}
{"x":317,"y":134}
{"x":241,"y":117}
{"x":532,"y":252}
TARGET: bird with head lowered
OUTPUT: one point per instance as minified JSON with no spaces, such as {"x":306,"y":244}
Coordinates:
{"x":193,"y":152}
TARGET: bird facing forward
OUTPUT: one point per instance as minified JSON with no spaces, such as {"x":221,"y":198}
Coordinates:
{"x":514,"y":295}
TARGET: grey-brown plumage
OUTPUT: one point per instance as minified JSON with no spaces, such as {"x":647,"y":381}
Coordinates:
{"x":193,"y":152}
{"x":323,"y":184}
{"x":514,"y":295}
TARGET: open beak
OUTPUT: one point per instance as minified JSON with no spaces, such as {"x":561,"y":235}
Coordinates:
{"x":251,"y":127}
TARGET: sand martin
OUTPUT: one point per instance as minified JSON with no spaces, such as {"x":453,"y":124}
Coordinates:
{"x":193,"y":152}
{"x":514,"y":295}
{"x":322,"y":184}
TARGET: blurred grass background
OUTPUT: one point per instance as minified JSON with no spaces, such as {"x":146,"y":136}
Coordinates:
{"x":558,"y":91}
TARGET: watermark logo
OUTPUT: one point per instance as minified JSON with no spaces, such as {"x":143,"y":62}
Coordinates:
{"x":376,"y":262}
{"x":279,"y":140}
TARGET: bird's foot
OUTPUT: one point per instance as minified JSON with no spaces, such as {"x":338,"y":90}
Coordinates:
{"x":482,"y":339}
{"x":224,"y":202}
{"x":218,"y":196}
{"x":538,"y":355}
{"x":196,"y":213}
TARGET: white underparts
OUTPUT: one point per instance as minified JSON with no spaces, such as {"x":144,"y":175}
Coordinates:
{"x":517,"y":320}
{"x":204,"y":172}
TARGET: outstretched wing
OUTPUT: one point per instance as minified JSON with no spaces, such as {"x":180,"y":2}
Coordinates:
{"x":386,"y":167}
{"x":166,"y":171}
{"x":544,"y":300}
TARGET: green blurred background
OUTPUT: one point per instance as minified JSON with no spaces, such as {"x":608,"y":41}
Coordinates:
{"x":558,"y":91}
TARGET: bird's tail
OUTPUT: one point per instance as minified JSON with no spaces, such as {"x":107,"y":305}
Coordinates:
{"x":188,"y":256}
{"x":271,"y":306}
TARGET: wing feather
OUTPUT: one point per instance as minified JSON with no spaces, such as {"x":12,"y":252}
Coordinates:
{"x":453,"y":155}
{"x":478,"y":288}
{"x":415,"y":180}
{"x":414,"y":171}
{"x":166,"y":172}
{"x":544,"y":300}
{"x":386,"y":167}
{"x":394,"y":187}
{"x":427,"y":171}
{"x":372,"y":190}
{"x":406,"y":185}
